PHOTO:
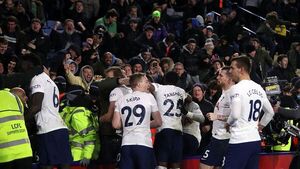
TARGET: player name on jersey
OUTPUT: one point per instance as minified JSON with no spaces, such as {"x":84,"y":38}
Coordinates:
{"x":172,"y":94}
{"x":254,"y":91}
{"x":132,"y":99}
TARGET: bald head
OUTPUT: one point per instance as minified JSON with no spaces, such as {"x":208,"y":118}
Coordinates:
{"x":20,"y":93}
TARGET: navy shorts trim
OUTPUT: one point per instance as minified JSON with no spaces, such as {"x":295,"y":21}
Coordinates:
{"x":214,"y":153}
{"x":168,"y":146}
{"x":243,"y":155}
{"x":54,"y":148}
{"x":137,"y":157}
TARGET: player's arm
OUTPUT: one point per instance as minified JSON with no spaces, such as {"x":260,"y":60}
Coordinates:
{"x":196,"y":116}
{"x":156,"y":122}
{"x":236,"y":109}
{"x":107,"y":117}
{"x":193,"y":111}
{"x":35,"y":104}
{"x":117,"y":121}
{"x":268,"y":114}
{"x":214,"y":116}
{"x":156,"y":117}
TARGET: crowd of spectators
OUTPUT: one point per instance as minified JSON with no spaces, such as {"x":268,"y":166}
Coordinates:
{"x":84,"y":41}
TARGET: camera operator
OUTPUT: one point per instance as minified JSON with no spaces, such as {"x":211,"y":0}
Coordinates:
{"x":280,"y":138}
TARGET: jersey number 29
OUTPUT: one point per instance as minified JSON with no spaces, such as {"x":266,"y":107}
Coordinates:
{"x":138,"y":111}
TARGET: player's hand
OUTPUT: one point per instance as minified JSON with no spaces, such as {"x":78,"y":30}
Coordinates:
{"x":206,"y":128}
{"x":57,"y":24}
{"x":31,"y":45}
{"x":67,"y":67}
{"x":84,"y":162}
{"x":186,"y":120}
{"x":276,"y":107}
{"x":123,"y":81}
{"x":260,"y":127}
{"x":227,"y":127}
{"x":212,"y":116}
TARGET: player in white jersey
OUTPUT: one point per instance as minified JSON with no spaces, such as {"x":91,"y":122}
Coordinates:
{"x":133,"y":113}
{"x":215,"y":151}
{"x":168,"y":142}
{"x":114,"y":95}
{"x":248,"y":99}
{"x":52,"y":134}
{"x":191,"y":129}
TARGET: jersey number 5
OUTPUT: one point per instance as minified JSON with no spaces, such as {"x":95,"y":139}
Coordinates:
{"x":255,"y":107}
{"x":138,"y":111}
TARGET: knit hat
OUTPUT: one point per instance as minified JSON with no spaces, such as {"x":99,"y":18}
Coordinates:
{"x":36,"y":20}
{"x":156,"y":14}
{"x":209,"y":27}
{"x":148,"y":27}
{"x":201,"y":85}
{"x":70,"y":61}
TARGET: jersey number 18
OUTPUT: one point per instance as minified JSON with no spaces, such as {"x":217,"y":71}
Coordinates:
{"x":255,"y":106}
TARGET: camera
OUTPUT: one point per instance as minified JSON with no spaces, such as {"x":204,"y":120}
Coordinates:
{"x":155,"y":64}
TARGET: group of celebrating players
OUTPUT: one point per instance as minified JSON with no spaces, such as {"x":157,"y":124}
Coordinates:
{"x":237,"y":121}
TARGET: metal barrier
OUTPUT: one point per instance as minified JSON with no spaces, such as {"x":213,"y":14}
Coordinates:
{"x":245,"y":28}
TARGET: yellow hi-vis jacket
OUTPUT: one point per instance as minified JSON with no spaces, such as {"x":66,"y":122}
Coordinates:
{"x":14,"y":141}
{"x":83,"y":127}
{"x":284,"y":147}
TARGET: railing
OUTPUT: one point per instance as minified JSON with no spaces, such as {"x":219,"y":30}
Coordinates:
{"x":251,"y":13}
{"x":244,"y":27}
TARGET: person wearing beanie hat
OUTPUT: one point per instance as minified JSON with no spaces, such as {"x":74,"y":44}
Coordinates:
{"x":138,"y":65}
{"x":73,"y":66}
{"x":160,"y":31}
{"x":198,"y":94}
{"x":36,"y":20}
{"x":156,"y":14}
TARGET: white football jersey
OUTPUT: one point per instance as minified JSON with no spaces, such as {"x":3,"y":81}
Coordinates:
{"x":48,"y":119}
{"x":135,"y":110}
{"x":118,"y":92}
{"x":194,"y":127}
{"x":222,"y":108}
{"x":247,"y":100}
{"x":170,"y":101}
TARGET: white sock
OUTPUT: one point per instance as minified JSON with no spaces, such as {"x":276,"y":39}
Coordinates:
{"x":161,"y":167}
